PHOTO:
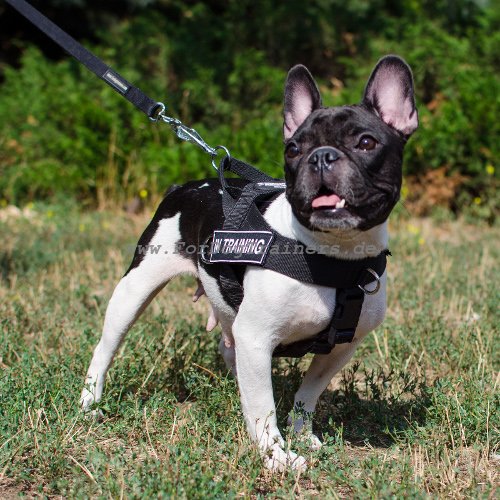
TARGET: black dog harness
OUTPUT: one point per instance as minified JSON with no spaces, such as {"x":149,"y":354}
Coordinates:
{"x":247,"y":239}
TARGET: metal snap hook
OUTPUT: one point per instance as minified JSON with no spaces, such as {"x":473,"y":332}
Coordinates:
{"x":377,"y":285}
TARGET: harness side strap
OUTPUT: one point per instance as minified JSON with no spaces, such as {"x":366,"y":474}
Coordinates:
{"x":138,"y":98}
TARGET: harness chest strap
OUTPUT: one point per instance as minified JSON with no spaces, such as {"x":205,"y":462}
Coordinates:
{"x":341,"y":329}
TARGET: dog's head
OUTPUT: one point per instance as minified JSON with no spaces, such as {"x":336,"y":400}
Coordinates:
{"x":343,"y":165}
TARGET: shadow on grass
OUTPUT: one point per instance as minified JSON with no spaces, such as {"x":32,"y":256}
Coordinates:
{"x":368,"y":421}
{"x":181,"y":376}
{"x":370,"y":407}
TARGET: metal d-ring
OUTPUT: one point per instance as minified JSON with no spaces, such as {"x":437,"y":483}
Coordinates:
{"x":203,"y":247}
{"x":377,"y":286}
{"x":217,"y":148}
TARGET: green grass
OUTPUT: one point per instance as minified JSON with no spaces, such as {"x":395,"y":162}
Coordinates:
{"x":415,"y":415}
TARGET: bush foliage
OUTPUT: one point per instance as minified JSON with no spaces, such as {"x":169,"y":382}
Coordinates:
{"x":221,"y":68}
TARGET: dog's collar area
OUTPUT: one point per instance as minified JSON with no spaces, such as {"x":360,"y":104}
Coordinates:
{"x":247,"y":239}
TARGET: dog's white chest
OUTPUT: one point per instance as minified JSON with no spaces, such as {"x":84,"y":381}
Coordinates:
{"x":289,"y":310}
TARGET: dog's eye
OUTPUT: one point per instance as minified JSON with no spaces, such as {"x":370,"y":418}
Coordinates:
{"x":292,"y":151}
{"x":367,"y":143}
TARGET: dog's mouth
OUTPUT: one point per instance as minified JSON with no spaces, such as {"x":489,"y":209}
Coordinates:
{"x":327,"y":200}
{"x":329,"y":210}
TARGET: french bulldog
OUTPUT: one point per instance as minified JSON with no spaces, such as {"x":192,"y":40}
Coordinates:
{"x":343,"y":173}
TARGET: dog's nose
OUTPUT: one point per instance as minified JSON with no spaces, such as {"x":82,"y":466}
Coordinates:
{"x":323,"y":158}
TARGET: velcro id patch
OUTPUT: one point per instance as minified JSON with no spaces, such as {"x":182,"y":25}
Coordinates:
{"x":250,"y":247}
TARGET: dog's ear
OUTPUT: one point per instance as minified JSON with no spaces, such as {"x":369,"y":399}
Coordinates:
{"x":301,"y":99}
{"x":389,"y":92}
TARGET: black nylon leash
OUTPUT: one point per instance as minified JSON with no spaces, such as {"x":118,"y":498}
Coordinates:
{"x":133,"y":94}
{"x":155,"y":110}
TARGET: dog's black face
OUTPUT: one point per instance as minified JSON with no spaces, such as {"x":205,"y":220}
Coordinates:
{"x":343,"y":165}
{"x":346,"y":158}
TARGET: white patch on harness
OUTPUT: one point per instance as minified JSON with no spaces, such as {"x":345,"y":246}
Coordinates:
{"x":249,"y":247}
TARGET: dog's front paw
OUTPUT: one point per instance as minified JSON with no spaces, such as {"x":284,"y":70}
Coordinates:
{"x":87,"y":399}
{"x":279,"y":460}
{"x":94,"y":415}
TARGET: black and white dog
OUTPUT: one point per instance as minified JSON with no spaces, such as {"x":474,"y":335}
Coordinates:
{"x":343,"y":171}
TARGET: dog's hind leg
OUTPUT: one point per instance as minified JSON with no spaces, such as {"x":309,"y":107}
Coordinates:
{"x":131,"y":296}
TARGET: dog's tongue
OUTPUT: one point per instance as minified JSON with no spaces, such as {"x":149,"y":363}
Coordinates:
{"x":329,"y":200}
